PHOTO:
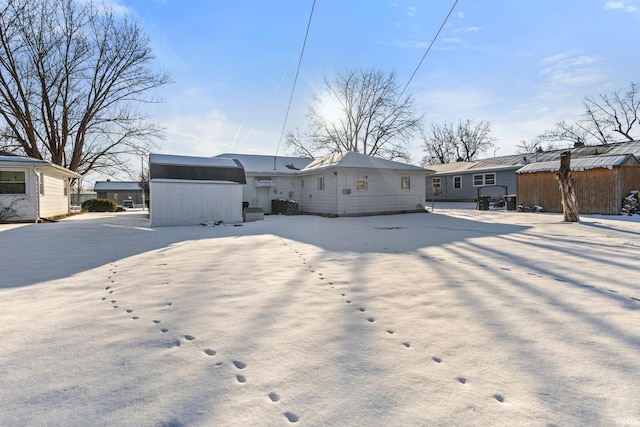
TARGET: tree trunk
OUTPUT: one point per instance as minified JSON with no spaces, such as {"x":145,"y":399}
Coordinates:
{"x":569,"y":202}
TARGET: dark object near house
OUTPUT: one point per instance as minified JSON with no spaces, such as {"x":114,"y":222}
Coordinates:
{"x":284,"y":207}
{"x":483,"y":203}
{"x":510,"y":202}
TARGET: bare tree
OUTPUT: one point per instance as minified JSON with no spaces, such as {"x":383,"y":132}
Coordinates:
{"x":72,"y":75}
{"x":569,"y":200}
{"x":609,"y":117}
{"x":527,"y":147}
{"x":463,"y":142}
{"x":358,"y":111}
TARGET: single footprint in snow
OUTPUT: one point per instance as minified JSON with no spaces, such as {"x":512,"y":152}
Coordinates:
{"x":129,"y":311}
{"x":436,"y":359}
{"x":164,"y":330}
{"x":241,"y":379}
{"x":406,"y":344}
{"x":499,"y":397}
{"x":189,"y":337}
{"x":135,"y":317}
{"x":156,"y":321}
{"x":210,"y":352}
{"x":371,"y":319}
{"x":274,"y":397}
{"x":361,"y":309}
{"x":293,"y":418}
{"x":462,"y":380}
{"x":389,"y":331}
{"x":239,"y":365}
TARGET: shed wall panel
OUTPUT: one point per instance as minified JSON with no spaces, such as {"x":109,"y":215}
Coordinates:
{"x":183,"y":202}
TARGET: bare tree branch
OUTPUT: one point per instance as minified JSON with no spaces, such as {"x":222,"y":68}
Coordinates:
{"x":71,"y":74}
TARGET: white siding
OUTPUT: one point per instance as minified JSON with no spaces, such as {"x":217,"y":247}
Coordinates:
{"x":24,"y":205}
{"x":182,"y":202}
{"x":383,"y":194}
{"x":284,"y":187}
{"x":53,"y":202}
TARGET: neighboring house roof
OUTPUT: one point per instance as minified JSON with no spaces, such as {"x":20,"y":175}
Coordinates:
{"x":8,"y":158}
{"x":261,"y":164}
{"x":358,"y":161}
{"x":116,"y":186}
{"x":164,"y":166}
{"x":579,"y":164}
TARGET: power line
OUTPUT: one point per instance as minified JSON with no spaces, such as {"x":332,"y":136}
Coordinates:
{"x":295,"y":80}
{"x":429,"y":48}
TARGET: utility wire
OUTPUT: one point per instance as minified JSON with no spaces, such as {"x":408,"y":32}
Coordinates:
{"x":429,"y":48}
{"x":295,"y":80}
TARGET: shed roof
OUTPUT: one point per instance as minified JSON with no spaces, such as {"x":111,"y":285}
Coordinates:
{"x":170,"y":159}
{"x":116,"y":186}
{"x":579,"y":164}
{"x":164,"y":166}
{"x":359,"y":161}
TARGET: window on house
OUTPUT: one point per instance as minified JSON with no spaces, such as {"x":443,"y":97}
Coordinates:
{"x":302,"y":183}
{"x":12,"y":182}
{"x":362,"y":182}
{"x":41,"y":183}
{"x":484,"y":179}
{"x":457,"y":182}
{"x":405,"y":182}
{"x":435,"y":183}
{"x":65,"y":187}
{"x":321,"y":183}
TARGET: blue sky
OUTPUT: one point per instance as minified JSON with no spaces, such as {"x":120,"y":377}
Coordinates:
{"x":521,"y":65}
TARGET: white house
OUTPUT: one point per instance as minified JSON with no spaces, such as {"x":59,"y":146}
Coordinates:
{"x":341,"y":184}
{"x":32,"y":189}
{"x":186,"y":190}
{"x":269,"y":178}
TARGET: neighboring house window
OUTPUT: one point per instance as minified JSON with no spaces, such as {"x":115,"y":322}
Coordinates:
{"x":405,"y":182}
{"x":484,"y":179}
{"x":42,"y":183}
{"x":12,"y":182}
{"x":302,"y":183}
{"x":321,"y":183}
{"x":435,"y":183}
{"x":65,"y":187}
{"x":115,"y":196}
{"x":362,"y":182}
{"x":457,"y":182}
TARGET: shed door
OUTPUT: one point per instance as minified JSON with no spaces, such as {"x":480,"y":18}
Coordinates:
{"x":264,"y":201}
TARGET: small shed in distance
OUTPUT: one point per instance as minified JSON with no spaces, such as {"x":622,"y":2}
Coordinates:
{"x":188,"y":190}
{"x":601,"y":183}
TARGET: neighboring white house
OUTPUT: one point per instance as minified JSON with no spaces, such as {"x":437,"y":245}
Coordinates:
{"x":32,"y":189}
{"x":188,"y":190}
{"x":342,"y":184}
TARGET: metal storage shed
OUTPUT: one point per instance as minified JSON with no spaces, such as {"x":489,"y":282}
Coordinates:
{"x":188,"y":190}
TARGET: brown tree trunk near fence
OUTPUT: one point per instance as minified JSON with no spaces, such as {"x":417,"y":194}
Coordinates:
{"x":569,"y":202}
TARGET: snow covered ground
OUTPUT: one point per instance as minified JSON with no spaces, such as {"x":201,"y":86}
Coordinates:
{"x":456,"y":317}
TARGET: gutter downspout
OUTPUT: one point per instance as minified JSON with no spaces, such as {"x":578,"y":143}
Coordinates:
{"x":335,"y":174}
{"x":37,"y":179}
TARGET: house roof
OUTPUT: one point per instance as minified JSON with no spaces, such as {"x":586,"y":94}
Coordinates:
{"x":116,"y":186}
{"x":261,"y":164}
{"x":9,"y":158}
{"x":579,"y":164}
{"x":358,"y":161}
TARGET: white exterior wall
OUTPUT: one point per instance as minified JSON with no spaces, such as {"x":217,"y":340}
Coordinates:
{"x":54,"y":201}
{"x":26,"y":205}
{"x":284,"y":187}
{"x":185,"y":202}
{"x":383,"y":195}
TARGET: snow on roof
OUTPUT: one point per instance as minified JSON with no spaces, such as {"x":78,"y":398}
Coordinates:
{"x":255,"y":163}
{"x":169,"y":159}
{"x":359,"y":161}
{"x":579,"y":164}
{"x":40,"y":163}
{"x":116,"y":186}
